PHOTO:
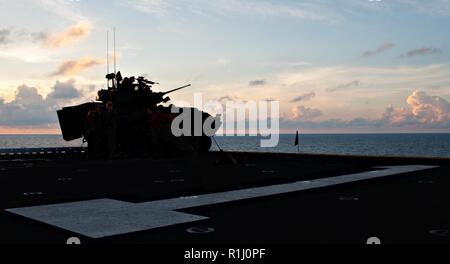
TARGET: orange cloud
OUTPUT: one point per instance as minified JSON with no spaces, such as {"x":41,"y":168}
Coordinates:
{"x":73,"y":67}
{"x":69,"y":36}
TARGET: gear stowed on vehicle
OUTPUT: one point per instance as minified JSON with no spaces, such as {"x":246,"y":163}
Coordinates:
{"x":128,"y":119}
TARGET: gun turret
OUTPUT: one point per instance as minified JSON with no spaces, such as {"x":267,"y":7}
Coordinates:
{"x":176,"y":89}
{"x":156,"y":98}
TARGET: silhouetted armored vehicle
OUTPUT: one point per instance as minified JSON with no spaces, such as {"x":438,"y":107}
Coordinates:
{"x":127,"y":119}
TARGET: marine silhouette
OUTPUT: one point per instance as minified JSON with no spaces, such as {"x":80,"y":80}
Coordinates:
{"x":128,"y":120}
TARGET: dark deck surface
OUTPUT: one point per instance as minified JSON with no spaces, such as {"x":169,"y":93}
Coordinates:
{"x":401,"y":208}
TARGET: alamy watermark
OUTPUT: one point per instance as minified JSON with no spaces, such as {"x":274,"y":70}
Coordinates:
{"x":230,"y":118}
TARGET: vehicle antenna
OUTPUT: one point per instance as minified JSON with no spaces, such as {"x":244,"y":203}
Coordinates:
{"x":107,"y":57}
{"x":114,"y":51}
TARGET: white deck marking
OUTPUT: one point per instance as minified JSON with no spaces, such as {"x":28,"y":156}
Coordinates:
{"x":106,"y":217}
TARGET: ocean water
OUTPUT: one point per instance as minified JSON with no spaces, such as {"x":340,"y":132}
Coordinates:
{"x":36,"y":141}
{"x":416,"y":145}
{"x":420,"y":145}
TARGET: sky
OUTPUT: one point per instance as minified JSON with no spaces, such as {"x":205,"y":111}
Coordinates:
{"x":334,"y":66}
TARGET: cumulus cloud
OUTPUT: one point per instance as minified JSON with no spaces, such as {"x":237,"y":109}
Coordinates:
{"x":257,"y":83}
{"x":73,"y":67}
{"x":384,"y":47}
{"x":64,"y":91}
{"x":304,"y":97}
{"x":31,"y":109}
{"x":344,"y":86}
{"x":4,"y":36}
{"x":421,"y":52}
{"x":429,"y":109}
{"x":27,"y":109}
{"x":301,"y":113}
{"x":423,"y":112}
{"x":391,"y":115}
{"x":68,"y":36}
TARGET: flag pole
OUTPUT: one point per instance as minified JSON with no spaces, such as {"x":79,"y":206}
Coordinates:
{"x":297,"y":142}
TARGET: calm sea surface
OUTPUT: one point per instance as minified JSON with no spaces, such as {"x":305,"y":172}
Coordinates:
{"x":427,"y":145}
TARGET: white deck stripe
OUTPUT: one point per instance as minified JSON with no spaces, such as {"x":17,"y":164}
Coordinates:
{"x":106,"y":217}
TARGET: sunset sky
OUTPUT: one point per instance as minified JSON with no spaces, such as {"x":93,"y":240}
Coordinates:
{"x":334,"y":66}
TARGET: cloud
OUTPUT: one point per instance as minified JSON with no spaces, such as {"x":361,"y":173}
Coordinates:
{"x":257,"y":83}
{"x":233,"y":99}
{"x":322,"y":11}
{"x":423,"y":112}
{"x":4,"y":36}
{"x":429,"y":109}
{"x":30,"y":109}
{"x":384,"y":47}
{"x":27,"y":109}
{"x":22,"y":36}
{"x":372,"y":81}
{"x":64,"y":91}
{"x":307,"y":11}
{"x":73,"y":67}
{"x":39,"y":36}
{"x":68,"y":36}
{"x":150,"y":6}
{"x":354,"y":83}
{"x":25,"y":48}
{"x":298,"y":63}
{"x":225,"y":98}
{"x":431,"y":7}
{"x":62,"y":9}
{"x":428,"y":7}
{"x":421,"y":52}
{"x":301,"y":113}
{"x":381,"y":85}
{"x":214,"y":9}
{"x":395,"y":117}
{"x":50,"y":40}
{"x":304,"y":97}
